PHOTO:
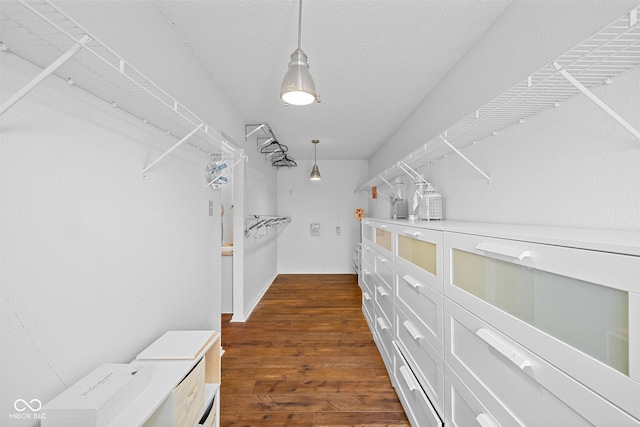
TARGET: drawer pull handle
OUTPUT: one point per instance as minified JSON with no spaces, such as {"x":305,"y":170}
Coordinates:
{"x":383,"y":325}
{"x":413,"y":282}
{"x":383,"y":260}
{"x":503,"y":348}
{"x":412,"y":233}
{"x":382,"y":292}
{"x":366,"y":272}
{"x":485,"y":421}
{"x":367,"y":248}
{"x":408,"y":378}
{"x":412,"y":330}
{"x":383,"y":227}
{"x":367,"y":296}
{"x":191,"y":395}
{"x":490,"y":248}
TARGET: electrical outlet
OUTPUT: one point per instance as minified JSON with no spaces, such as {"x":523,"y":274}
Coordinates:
{"x":210,"y":207}
{"x":337,"y":231}
{"x":315,"y":229}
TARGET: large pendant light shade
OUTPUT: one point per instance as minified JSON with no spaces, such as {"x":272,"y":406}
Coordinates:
{"x":315,"y":172}
{"x":298,"y":87}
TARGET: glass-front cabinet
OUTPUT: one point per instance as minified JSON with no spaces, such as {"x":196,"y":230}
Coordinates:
{"x":419,"y":251}
{"x":383,"y":238}
{"x":578,"y":309}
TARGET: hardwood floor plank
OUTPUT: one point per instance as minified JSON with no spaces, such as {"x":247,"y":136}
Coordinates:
{"x":306,"y":357}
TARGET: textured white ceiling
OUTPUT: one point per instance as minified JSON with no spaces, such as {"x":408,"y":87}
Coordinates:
{"x":373,"y":61}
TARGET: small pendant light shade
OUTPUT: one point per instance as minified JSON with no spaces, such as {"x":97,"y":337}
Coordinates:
{"x":298,"y":87}
{"x":315,"y":172}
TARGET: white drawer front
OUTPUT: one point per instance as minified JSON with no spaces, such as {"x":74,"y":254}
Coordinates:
{"x":425,"y":362}
{"x":367,"y":281}
{"x":574,"y":308}
{"x":384,"y":270}
{"x":368,"y":256}
{"x":416,"y":404}
{"x":368,"y":307}
{"x":423,"y":305}
{"x":420,"y":251}
{"x":508,"y":379}
{"x":383,"y":239}
{"x":463,"y":409}
{"x":384,"y":301}
{"x":384,"y":340}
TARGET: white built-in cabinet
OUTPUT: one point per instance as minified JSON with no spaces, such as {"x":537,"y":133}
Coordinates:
{"x":504,"y":325}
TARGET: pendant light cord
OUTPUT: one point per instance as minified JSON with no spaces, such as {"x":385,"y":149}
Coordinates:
{"x":299,"y":24}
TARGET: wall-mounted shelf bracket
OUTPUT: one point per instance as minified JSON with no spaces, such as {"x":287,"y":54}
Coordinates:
{"x":466,"y":159}
{"x":600,"y":103}
{"x":251,"y":129}
{"x":365,"y":192}
{"x":44,"y":74}
{"x":410,"y":171}
{"x":166,"y":153}
{"x":385,"y":181}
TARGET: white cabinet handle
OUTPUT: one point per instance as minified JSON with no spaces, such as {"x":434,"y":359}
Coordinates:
{"x":503,"y":348}
{"x":383,"y":260}
{"x":382,"y":291}
{"x":367,"y":248}
{"x":413,"y":282}
{"x":490,"y":248}
{"x":366,"y":272}
{"x":408,"y":378}
{"x":485,"y":421}
{"x":412,"y":330}
{"x":412,"y":233}
{"x":367,"y":296}
{"x":383,"y":325}
{"x":383,"y":227}
{"x":367,"y":223}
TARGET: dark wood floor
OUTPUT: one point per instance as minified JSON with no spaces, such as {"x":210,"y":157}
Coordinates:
{"x":306,"y":357}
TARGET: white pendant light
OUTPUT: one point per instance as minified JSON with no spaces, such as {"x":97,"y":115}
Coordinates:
{"x":315,"y":172}
{"x":298,"y":87}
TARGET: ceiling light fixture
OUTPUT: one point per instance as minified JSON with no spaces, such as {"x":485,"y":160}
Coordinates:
{"x":298,"y":87}
{"x":315,"y":172}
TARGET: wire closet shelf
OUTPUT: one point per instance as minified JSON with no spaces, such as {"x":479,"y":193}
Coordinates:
{"x":611,"y":52}
{"x":44,"y":35}
{"x":258,"y":226}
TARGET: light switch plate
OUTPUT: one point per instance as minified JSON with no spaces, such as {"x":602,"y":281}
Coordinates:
{"x":314,"y":229}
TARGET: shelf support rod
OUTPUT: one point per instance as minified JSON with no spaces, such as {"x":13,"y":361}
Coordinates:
{"x":253,"y":131}
{"x":44,"y":74}
{"x":417,"y":175}
{"x":166,"y":153}
{"x":465,"y":158}
{"x":385,"y":181}
{"x":597,"y":101}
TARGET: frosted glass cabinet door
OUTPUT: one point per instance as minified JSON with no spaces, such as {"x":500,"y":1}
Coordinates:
{"x":419,"y":251}
{"x":367,"y":231}
{"x":383,"y":238}
{"x":566,"y":303}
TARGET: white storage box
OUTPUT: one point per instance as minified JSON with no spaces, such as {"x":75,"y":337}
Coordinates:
{"x":97,"y":398}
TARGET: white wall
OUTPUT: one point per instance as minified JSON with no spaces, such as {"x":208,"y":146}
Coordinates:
{"x":329,"y":202}
{"x":570,"y":166}
{"x":95,"y":261}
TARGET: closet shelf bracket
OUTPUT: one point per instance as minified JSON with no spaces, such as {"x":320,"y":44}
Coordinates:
{"x":44,"y":74}
{"x":176,"y":145}
{"x":385,"y":181}
{"x":466,"y":159}
{"x":600,"y":103}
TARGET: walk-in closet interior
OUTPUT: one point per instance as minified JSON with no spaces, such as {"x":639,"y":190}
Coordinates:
{"x":468,"y":169}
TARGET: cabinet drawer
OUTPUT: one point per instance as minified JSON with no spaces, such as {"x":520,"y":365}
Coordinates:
{"x":382,"y":238}
{"x":384,"y":270}
{"x":578,"y":309}
{"x":384,"y":339}
{"x":367,"y":231}
{"x":463,"y":409}
{"x":416,"y":404}
{"x":426,"y":362}
{"x":368,"y":308}
{"x":423,"y":306}
{"x":184,"y":405}
{"x":367,"y":281}
{"x":512,"y":382}
{"x":369,"y":256}
{"x":384,"y":302}
{"x":420,"y":252}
